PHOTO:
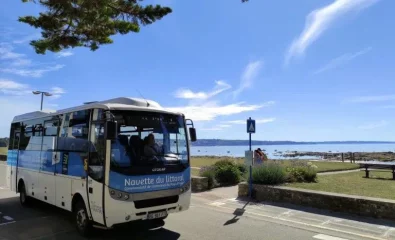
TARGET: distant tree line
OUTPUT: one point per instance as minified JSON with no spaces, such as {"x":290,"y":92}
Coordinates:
{"x":223,"y":142}
{"x":4,"y":142}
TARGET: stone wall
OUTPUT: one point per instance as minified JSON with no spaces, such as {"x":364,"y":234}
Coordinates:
{"x":199,"y":184}
{"x":363,"y":206}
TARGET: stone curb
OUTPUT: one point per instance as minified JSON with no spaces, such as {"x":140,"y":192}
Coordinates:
{"x":363,"y":206}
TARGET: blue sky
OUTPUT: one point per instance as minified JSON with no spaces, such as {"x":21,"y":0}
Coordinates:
{"x":306,"y":70}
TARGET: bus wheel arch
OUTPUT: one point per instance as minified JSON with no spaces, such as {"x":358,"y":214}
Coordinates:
{"x":80,"y":215}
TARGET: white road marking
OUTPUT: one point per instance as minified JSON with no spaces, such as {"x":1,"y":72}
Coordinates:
{"x":293,"y":222}
{"x":6,"y":223}
{"x":217,"y":203}
{"x":387,"y":233}
{"x":285,"y":214}
{"x":8,"y":218}
{"x":327,"y":237}
{"x":326,"y":222}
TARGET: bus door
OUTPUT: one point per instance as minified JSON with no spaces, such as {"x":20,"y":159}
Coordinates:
{"x":14,"y":160}
{"x":95,"y":165}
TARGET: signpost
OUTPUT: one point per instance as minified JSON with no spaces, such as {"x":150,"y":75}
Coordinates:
{"x":250,"y":129}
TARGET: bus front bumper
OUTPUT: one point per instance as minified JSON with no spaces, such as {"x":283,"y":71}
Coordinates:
{"x":120,"y":212}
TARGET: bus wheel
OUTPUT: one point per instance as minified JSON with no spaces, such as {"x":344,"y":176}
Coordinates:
{"x":82,"y":222}
{"x":23,"y":198}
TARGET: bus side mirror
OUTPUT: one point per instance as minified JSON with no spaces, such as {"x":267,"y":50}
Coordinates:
{"x":110,"y":130}
{"x":192,"y":134}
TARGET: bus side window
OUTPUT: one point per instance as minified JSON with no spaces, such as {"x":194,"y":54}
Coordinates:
{"x":97,"y":154}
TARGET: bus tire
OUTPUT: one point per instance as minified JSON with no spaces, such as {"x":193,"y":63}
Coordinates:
{"x":81,"y":219}
{"x":23,"y":198}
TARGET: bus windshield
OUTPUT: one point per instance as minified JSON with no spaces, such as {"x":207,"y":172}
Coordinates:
{"x":147,"y":139}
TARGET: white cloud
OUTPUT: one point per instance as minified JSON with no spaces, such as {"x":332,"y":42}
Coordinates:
{"x":319,"y":20}
{"x":57,"y":92}
{"x":26,"y":38}
{"x":248,"y":76}
{"x":36,"y":73}
{"x":19,"y":63}
{"x":218,"y":127}
{"x":224,"y":125}
{"x":7,"y":53}
{"x":257,"y":121}
{"x":64,"y":54}
{"x":365,"y":99}
{"x":12,"y":88}
{"x":342,"y":60}
{"x":207,"y":112}
{"x":9,"y":87}
{"x":8,"y":84}
{"x":369,"y":126}
{"x":220,"y":86}
{"x":212,"y":129}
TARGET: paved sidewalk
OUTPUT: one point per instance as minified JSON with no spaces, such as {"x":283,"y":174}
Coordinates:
{"x":338,"y":172}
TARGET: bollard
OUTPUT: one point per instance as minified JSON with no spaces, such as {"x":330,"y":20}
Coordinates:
{"x":342,"y":157}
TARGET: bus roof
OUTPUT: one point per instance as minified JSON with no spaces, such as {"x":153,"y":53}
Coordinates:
{"x":120,"y":103}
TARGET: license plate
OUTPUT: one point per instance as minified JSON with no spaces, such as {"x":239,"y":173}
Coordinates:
{"x":157,"y":215}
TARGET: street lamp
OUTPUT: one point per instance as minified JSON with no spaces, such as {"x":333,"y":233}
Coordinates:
{"x":42,"y":96}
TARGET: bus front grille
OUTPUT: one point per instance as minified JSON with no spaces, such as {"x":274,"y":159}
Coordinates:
{"x":155,"y":202}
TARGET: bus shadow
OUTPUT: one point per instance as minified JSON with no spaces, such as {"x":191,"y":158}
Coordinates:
{"x":37,"y":209}
{"x":135,"y":231}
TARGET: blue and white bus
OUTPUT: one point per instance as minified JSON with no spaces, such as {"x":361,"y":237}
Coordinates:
{"x":108,"y":162}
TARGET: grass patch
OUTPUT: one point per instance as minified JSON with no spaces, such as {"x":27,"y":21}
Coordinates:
{"x":208,"y":161}
{"x":334,"y":166}
{"x":380,"y":184}
{"x":3,"y":150}
{"x":323,"y":166}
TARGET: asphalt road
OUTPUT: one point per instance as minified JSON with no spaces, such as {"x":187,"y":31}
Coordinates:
{"x":213,"y":215}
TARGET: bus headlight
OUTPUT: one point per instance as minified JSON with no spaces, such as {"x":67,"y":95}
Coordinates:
{"x":119,"y":195}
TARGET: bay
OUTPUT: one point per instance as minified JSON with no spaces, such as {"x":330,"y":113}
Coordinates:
{"x":271,"y":150}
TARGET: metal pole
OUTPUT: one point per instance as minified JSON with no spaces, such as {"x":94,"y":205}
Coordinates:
{"x":250,"y":185}
{"x":250,"y":141}
{"x":42,"y":98}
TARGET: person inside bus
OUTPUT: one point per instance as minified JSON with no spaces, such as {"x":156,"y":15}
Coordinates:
{"x":151,"y":148}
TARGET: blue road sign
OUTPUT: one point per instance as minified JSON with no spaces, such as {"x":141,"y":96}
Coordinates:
{"x":250,"y":126}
